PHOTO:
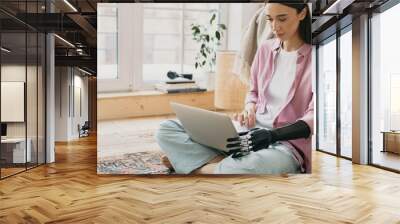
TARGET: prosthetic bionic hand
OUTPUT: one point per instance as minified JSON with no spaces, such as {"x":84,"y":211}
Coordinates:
{"x":258,"y":138}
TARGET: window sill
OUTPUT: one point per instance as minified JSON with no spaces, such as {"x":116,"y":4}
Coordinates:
{"x":143,"y":93}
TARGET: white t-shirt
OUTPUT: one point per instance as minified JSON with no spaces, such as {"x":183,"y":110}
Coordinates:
{"x":278,"y":89}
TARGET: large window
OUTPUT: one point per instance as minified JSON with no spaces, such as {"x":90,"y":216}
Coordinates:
{"x":327,"y":96}
{"x":107,"y":34}
{"x":139,"y":43}
{"x":335,"y":73}
{"x":346,"y":93}
{"x":385,"y":84}
{"x":167,"y":38}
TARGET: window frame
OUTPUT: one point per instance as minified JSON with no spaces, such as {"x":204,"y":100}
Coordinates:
{"x":139,"y":83}
{"x":123,"y":81}
{"x":337,"y":38}
{"x":345,"y":30}
{"x":329,"y":39}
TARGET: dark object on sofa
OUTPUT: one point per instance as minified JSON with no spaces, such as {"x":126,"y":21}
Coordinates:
{"x":84,"y":130}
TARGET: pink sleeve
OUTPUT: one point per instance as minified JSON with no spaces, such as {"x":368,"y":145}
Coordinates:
{"x":252,"y":94}
{"x":308,"y":116}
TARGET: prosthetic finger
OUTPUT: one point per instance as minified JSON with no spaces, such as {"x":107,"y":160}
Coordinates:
{"x":233,"y":145}
{"x":233,"y":150}
{"x":239,"y":144}
{"x":233,"y":139}
{"x":241,"y":134}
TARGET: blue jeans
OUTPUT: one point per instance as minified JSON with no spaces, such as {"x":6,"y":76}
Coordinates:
{"x":186,"y":155}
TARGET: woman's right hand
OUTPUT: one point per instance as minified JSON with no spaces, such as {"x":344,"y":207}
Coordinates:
{"x":248,"y":116}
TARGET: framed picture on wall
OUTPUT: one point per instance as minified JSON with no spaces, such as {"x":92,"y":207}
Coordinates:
{"x":12,"y":101}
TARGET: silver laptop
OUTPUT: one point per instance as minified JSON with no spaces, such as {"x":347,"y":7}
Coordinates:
{"x":206,"y":127}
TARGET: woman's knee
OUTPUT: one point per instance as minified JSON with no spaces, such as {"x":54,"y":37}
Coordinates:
{"x":276,"y":162}
{"x":166,"y":129}
{"x":168,"y":124}
{"x":256,"y":163}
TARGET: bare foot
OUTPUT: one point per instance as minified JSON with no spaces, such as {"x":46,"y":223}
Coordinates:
{"x":206,"y":169}
{"x":165,"y":161}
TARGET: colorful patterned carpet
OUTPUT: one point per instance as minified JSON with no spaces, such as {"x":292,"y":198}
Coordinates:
{"x":133,"y":163}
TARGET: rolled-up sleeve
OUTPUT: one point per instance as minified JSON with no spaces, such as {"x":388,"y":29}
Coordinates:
{"x":252,"y":94}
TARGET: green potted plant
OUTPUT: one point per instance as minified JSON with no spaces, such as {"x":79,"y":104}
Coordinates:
{"x":209,"y":37}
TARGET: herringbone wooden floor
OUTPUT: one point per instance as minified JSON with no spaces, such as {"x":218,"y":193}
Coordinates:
{"x":70,"y":191}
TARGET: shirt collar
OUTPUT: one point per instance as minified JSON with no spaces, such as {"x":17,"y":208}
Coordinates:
{"x":303,"y":50}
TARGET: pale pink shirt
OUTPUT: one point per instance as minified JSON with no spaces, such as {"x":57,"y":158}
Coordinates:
{"x":299,"y":104}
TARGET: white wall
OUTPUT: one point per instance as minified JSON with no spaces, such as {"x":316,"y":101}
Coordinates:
{"x":239,"y":16}
{"x":67,"y":115}
{"x":62,"y":82}
{"x":79,"y":117}
{"x":12,"y":101}
{"x":13,"y":73}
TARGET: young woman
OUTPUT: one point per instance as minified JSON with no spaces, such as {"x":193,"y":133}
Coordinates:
{"x":279,"y":103}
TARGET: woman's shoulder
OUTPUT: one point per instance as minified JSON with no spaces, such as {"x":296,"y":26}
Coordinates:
{"x":269,"y":44}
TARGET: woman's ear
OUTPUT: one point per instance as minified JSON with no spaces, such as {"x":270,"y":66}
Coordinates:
{"x":303,"y":13}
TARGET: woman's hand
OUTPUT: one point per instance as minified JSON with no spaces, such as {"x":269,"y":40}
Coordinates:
{"x":248,"y":116}
{"x":252,"y":140}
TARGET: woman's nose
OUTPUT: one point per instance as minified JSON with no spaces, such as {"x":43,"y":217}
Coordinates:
{"x":275,"y":26}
